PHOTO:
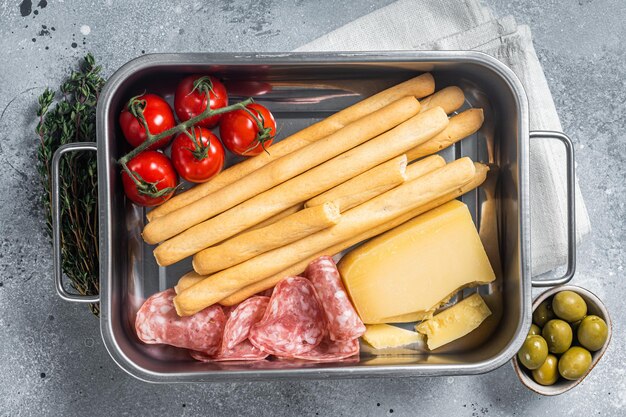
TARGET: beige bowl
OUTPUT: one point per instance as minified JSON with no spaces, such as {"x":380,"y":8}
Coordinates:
{"x":594,"y":306}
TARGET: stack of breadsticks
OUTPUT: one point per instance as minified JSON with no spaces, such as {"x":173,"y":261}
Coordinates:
{"x":340,"y":181}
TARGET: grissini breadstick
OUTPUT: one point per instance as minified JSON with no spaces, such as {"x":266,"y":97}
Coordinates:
{"x":369,"y":215}
{"x":417,"y":169}
{"x":280,"y":170}
{"x":250,"y":244}
{"x":271,"y":220}
{"x":276,"y":217}
{"x":365,"y":186}
{"x":239,"y":296}
{"x":449,"y":99}
{"x":461,"y":126}
{"x":187,"y":280}
{"x":418,"y":87}
{"x":311,"y":183}
{"x":424,"y":166}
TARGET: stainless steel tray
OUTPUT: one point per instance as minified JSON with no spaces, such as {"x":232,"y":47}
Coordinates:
{"x":300,"y":89}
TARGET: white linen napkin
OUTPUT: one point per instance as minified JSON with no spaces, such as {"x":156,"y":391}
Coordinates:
{"x":468,"y":25}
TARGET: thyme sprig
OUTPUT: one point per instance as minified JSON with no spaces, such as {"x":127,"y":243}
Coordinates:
{"x":72,"y":118}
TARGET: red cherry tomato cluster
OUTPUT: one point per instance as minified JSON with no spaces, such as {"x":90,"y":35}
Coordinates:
{"x":150,"y":178}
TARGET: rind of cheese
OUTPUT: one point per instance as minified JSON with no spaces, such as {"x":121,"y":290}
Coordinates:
{"x":382,"y":336}
{"x":410,"y":270}
{"x":454,"y":322}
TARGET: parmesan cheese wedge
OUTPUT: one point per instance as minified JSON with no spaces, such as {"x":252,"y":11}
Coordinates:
{"x":412,"y":269}
{"x":382,"y":336}
{"x":454,"y":322}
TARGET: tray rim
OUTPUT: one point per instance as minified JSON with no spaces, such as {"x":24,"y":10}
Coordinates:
{"x":319,"y":58}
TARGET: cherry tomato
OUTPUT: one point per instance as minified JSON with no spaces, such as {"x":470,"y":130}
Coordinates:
{"x":200,"y":159}
{"x":240,"y":132}
{"x":155,"y":179}
{"x":190,"y":98}
{"x":158,"y":115}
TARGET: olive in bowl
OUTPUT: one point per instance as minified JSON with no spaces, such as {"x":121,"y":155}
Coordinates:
{"x":592,"y":333}
{"x":569,"y":306}
{"x":533,"y":352}
{"x":573,"y":348}
{"x":558,"y":335}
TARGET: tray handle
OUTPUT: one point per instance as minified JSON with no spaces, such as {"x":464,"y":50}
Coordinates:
{"x":56,"y":221}
{"x":571,"y":208}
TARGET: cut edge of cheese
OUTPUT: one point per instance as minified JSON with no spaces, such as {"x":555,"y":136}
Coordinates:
{"x":454,"y":322}
{"x":383,"y":336}
{"x":408,"y":318}
{"x":425,"y":315}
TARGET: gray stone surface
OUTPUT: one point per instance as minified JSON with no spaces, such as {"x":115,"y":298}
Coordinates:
{"x":52,"y":360}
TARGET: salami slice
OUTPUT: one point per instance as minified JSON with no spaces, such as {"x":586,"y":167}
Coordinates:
{"x":293,"y":322}
{"x":241,"y":320}
{"x":244,"y":351}
{"x":329,"y":351}
{"x":157,"y":322}
{"x":342,"y":319}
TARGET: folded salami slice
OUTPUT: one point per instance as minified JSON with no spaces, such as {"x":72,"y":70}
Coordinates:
{"x":293,"y":323}
{"x":342,"y":319}
{"x":157,"y":322}
{"x":330,"y":351}
{"x":244,"y":351}
{"x":241,"y":320}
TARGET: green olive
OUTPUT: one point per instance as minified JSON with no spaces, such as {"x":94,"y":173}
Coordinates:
{"x":574,"y":363}
{"x":543,"y":313}
{"x":534,"y":330}
{"x":533,"y":352}
{"x":548,"y":373}
{"x":558,"y":335}
{"x":592,"y":333}
{"x":569,"y":306}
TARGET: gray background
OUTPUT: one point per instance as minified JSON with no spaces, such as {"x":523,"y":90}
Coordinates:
{"x":52,"y":359}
